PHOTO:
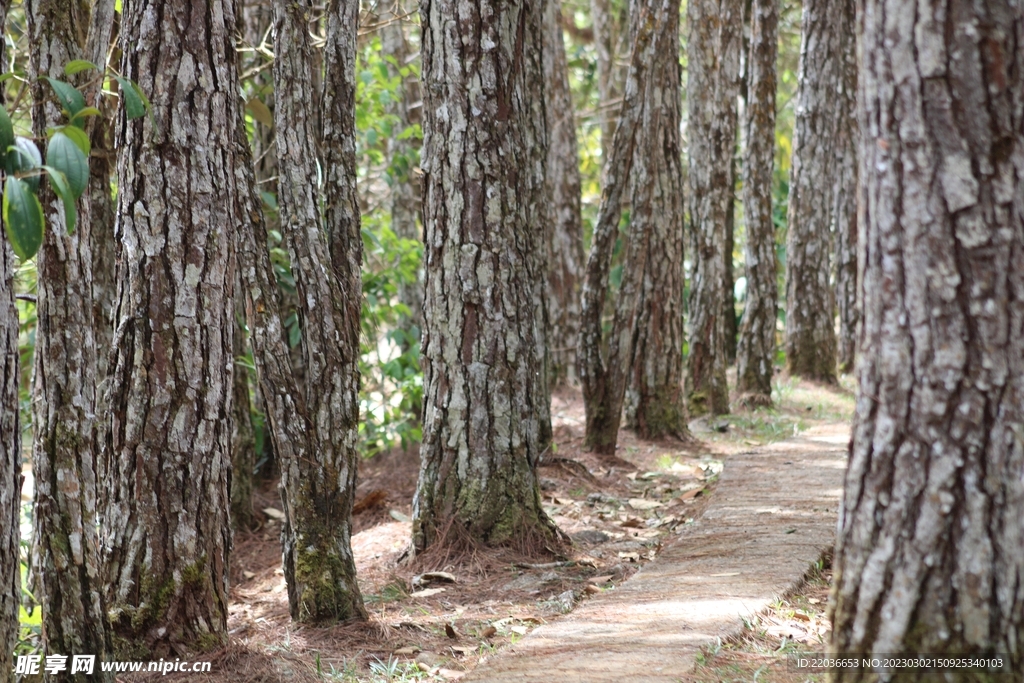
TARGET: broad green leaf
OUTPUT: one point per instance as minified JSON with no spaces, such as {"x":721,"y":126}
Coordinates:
{"x":61,"y":188}
{"x":65,"y":156}
{"x":76,"y":66}
{"x":77,"y":135}
{"x":24,"y":156}
{"x":79,"y":118}
{"x":70,"y":98}
{"x":134,"y":104}
{"x":23,"y":218}
{"x":6,"y":130}
{"x":260,"y":112}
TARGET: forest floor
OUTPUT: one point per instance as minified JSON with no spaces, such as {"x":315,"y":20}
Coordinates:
{"x":445,"y":616}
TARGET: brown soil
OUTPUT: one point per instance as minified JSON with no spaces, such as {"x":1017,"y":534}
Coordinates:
{"x":622,"y":513}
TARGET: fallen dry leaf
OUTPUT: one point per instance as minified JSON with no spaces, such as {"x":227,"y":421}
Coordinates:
{"x":644,"y":504}
{"x":407,"y":651}
{"x":600,"y":579}
{"x":450,"y":674}
{"x":691,"y":494}
{"x":450,"y":631}
{"x":488,"y":632}
{"x":521,"y":630}
{"x":427,"y":592}
{"x":462,"y":650}
{"x":629,"y":557}
{"x":274,"y":513}
{"x":248,"y":575}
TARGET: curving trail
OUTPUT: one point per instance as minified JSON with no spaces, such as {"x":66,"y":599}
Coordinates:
{"x":770,"y":518}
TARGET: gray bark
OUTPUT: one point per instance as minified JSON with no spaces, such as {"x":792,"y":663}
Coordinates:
{"x":565,"y":234}
{"x":66,"y":561}
{"x":604,"y":379}
{"x":609,"y":88}
{"x":166,"y":525}
{"x":755,"y":359}
{"x":810,"y":328}
{"x":243,"y":441}
{"x":325,"y":253}
{"x":930,"y":555}
{"x":714,"y":46}
{"x":844,"y":212}
{"x":486,"y":408}
{"x":10,"y":447}
{"x":655,"y":399}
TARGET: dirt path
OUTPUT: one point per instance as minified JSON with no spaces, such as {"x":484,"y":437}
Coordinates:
{"x":770,"y":518}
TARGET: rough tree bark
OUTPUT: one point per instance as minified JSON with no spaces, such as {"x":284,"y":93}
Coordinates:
{"x":810,"y":338}
{"x":243,"y":440}
{"x":405,"y":186}
{"x":608,"y":88}
{"x":604,"y":378}
{"x":755,"y":356}
{"x":713,"y":45}
{"x":931,"y":540}
{"x":10,"y":446}
{"x":326,"y":254}
{"x":729,"y":285}
{"x":844,"y":212}
{"x":167,"y":532}
{"x":486,"y":408}
{"x":565,"y":233}
{"x":66,"y":556}
{"x":655,"y":399}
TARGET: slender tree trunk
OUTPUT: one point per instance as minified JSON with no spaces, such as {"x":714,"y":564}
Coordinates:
{"x":655,"y":399}
{"x":810,"y":321}
{"x":169,"y":434}
{"x":714,"y":42}
{"x":326,"y":254}
{"x":604,"y":379}
{"x":729,"y":287}
{"x":608,"y":89}
{"x":931,"y":538}
{"x":405,"y":187}
{"x":486,"y":408}
{"x":10,"y":448}
{"x":66,"y":560}
{"x":755,"y":361}
{"x":243,"y":441}
{"x":844,"y":213}
{"x":565,"y":235}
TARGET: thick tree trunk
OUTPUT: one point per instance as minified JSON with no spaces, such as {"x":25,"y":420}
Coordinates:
{"x":10,"y":447}
{"x":714,"y":45}
{"x":565,"y":234}
{"x":405,"y":187}
{"x":755,"y":360}
{"x":810,"y":327}
{"x":604,"y":379}
{"x":486,"y":416}
{"x":844,"y":212}
{"x":326,"y":255}
{"x":169,"y":438}
{"x":931,"y":540}
{"x":655,"y":399}
{"x":66,"y":562}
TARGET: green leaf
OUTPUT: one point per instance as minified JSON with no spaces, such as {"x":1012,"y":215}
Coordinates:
{"x":65,"y":156}
{"x":134,"y":104}
{"x":63,"y":190}
{"x":78,"y":136}
{"x":260,"y":112}
{"x":83,"y":113}
{"x":6,"y":130}
{"x":76,"y":66}
{"x":70,"y":98}
{"x":23,"y":218}
{"x":24,"y":156}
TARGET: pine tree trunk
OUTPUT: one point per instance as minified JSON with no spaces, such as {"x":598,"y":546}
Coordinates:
{"x":10,"y":447}
{"x":405,"y":187}
{"x":169,"y":434}
{"x":931,"y":538}
{"x":844,"y":213}
{"x":243,"y":441}
{"x":604,"y":379}
{"x":714,"y":45}
{"x":729,"y":288}
{"x":66,"y":562}
{"x":326,"y":254}
{"x":655,"y":399}
{"x":810,"y":327}
{"x":755,"y":361}
{"x":485,"y":390}
{"x":565,"y":235}
{"x":608,"y":89}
